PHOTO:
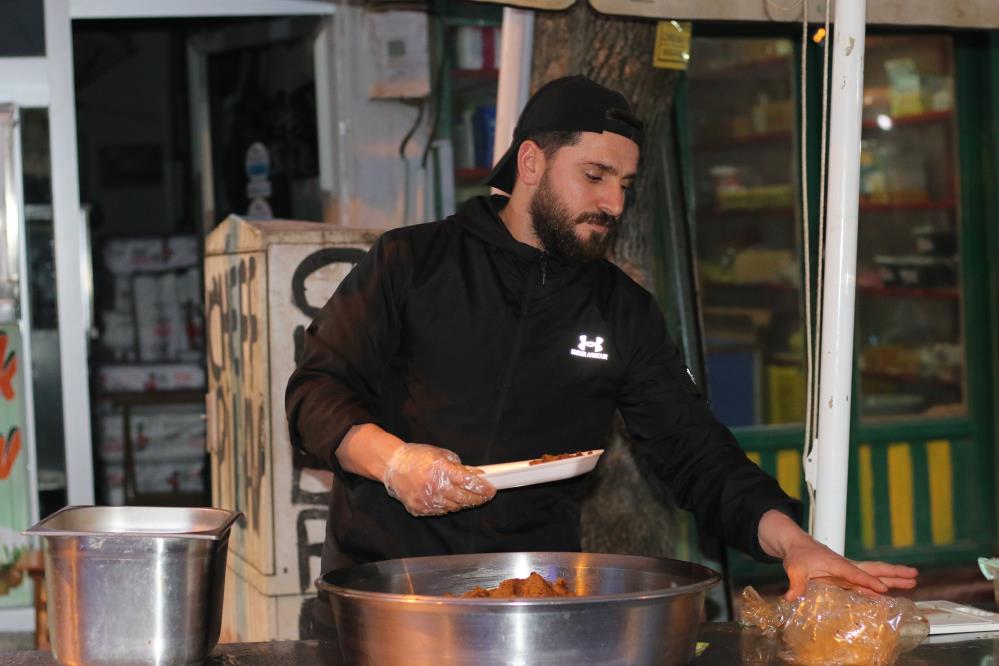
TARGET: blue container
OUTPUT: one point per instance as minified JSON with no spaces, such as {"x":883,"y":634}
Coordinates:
{"x":484,"y":124}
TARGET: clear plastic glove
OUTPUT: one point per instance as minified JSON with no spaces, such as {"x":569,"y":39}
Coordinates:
{"x":431,"y":481}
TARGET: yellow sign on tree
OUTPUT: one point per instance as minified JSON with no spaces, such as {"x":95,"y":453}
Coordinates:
{"x":672,"y":49}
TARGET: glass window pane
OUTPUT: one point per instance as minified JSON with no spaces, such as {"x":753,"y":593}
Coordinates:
{"x":742,"y":112}
{"x":44,"y":326}
{"x":909,"y":296}
{"x":22,"y":28}
{"x":263,"y":128}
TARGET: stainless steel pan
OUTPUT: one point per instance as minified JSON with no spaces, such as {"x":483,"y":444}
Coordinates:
{"x":633,"y":610}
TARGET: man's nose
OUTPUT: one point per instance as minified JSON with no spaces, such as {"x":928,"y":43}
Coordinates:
{"x":612,"y":200}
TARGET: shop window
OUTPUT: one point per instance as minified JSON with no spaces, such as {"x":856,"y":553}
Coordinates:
{"x":22,"y":28}
{"x":742,"y":110}
{"x":910,"y":333}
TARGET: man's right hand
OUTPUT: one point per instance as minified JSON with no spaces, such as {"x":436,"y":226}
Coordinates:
{"x":431,"y":481}
{"x":428,"y":480}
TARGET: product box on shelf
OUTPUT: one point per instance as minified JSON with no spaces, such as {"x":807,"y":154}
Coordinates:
{"x":164,"y":477}
{"x":158,"y":433}
{"x":150,"y":377}
{"x":125,"y":256}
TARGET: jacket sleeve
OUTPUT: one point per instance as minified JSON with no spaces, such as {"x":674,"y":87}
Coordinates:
{"x":676,"y":434}
{"x":345,"y":352}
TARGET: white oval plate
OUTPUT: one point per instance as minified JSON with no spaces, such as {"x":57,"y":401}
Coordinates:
{"x":523,"y":473}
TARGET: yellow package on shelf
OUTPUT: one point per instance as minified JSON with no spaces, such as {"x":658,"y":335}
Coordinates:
{"x":759,"y":197}
{"x":785,"y":394}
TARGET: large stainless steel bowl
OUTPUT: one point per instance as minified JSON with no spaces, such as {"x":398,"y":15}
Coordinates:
{"x":633,"y":610}
{"x":134,"y":585}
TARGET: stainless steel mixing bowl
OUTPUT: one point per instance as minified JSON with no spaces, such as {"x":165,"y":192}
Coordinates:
{"x":134,"y":585}
{"x":633,"y":610}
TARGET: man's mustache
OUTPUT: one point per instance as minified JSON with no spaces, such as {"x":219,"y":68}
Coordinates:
{"x":603,"y":219}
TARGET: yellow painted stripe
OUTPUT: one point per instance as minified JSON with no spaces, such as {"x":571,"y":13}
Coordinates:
{"x":755,"y":457}
{"x":900,"y":492}
{"x":941,"y":491}
{"x":866,"y":497}
{"x":789,"y":472}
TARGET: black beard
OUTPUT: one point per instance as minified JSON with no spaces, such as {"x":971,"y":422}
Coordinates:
{"x":556,"y":229}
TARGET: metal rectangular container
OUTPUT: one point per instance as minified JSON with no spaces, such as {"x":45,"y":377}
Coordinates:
{"x":134,"y":585}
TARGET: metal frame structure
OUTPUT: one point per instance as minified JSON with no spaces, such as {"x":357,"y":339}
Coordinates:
{"x":47,"y":82}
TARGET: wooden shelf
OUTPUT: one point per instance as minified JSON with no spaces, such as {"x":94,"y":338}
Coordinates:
{"x":942,"y":293}
{"x":782,"y":136}
{"x":475,"y":74}
{"x":154,"y":397}
{"x":766,"y":66}
{"x":943,"y":204}
{"x":910,"y":379}
{"x":753,"y":211}
{"x":926,"y":118}
{"x":473,"y":176}
{"x":769,"y":286}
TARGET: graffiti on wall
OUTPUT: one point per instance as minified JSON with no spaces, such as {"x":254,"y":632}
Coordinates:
{"x":235,"y":363}
{"x":258,"y":303}
{"x":15,"y":508}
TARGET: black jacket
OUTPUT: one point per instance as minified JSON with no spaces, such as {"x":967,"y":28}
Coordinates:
{"x":453,"y":333}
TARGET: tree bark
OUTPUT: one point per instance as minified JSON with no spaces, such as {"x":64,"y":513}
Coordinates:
{"x":616,"y":52}
{"x":627,"y":512}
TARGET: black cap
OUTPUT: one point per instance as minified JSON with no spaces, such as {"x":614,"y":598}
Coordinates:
{"x":570,"y":104}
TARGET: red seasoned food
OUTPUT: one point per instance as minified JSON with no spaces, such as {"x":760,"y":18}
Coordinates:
{"x":534,"y":586}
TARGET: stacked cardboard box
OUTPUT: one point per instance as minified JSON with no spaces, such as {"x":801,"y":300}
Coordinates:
{"x":151,"y":341}
{"x":168,"y":444}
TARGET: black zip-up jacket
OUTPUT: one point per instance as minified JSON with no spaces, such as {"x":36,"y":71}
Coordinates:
{"x":453,"y":333}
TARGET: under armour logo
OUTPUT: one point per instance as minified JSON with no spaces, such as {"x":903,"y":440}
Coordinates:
{"x":589,"y":348}
{"x":594,"y":345}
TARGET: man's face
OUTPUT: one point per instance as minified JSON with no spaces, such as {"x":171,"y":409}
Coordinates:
{"x":577,"y":206}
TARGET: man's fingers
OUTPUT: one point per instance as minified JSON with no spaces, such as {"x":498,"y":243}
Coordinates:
{"x":464,"y":498}
{"x":466,"y":479}
{"x":859,"y":577}
{"x":886,"y":570}
{"x":797,"y":581}
{"x":899,"y":583}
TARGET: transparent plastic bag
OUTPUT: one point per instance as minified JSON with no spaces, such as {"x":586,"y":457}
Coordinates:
{"x":833,"y":626}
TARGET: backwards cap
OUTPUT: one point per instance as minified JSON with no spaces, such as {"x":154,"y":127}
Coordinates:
{"x":570,"y":104}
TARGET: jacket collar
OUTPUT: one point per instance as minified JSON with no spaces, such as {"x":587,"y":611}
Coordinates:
{"x":480,"y":217}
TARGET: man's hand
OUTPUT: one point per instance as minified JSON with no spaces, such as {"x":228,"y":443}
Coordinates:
{"x":805,"y":559}
{"x":431,"y":481}
{"x":428,"y":480}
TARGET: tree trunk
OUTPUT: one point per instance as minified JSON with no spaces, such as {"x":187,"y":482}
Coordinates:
{"x":627,"y":512}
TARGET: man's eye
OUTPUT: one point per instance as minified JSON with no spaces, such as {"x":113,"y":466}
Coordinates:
{"x":594,"y":178}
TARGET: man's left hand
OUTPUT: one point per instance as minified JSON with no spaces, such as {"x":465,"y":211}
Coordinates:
{"x":806,"y":559}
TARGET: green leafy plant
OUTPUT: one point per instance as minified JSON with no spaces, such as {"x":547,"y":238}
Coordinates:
{"x":9,"y":557}
{"x":10,"y":577}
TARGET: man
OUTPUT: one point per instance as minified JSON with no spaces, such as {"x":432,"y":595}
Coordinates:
{"x":453,"y":344}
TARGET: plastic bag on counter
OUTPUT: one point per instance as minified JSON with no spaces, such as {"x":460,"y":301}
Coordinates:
{"x":832,"y":626}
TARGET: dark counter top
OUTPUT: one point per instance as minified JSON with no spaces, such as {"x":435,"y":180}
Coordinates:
{"x":728,"y":644}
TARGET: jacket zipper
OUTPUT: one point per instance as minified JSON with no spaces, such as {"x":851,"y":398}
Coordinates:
{"x":544,"y":268}
{"x":514,"y":349}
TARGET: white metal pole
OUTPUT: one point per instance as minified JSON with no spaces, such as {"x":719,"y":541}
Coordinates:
{"x":839,"y":295}
{"x":516,"y":48}
{"x":66,"y":220}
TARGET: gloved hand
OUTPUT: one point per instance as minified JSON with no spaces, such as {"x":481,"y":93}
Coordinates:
{"x":431,"y":481}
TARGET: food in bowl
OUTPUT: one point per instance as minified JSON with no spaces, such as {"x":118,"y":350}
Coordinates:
{"x":552,"y":457}
{"x":535,"y":586}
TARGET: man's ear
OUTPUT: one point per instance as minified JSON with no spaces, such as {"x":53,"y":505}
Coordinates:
{"x":530,"y":162}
